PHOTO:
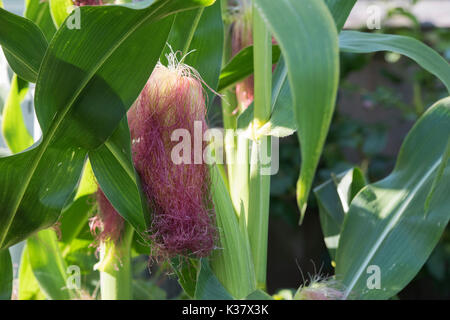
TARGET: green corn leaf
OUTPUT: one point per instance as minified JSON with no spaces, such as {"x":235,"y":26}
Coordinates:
{"x":313,"y":73}
{"x":23,"y":44}
{"x":334,"y":197}
{"x":39,"y":12}
{"x":48,"y":265}
{"x":75,"y":216}
{"x":208,"y":287}
{"x":28,"y":286}
{"x":86,"y":111}
{"x":427,"y":58}
{"x":232,"y":263}
{"x":115,"y":173}
{"x":340,"y":9}
{"x":60,"y":10}
{"x":14,"y":130}
{"x":6,"y":272}
{"x":241,"y":66}
{"x":386,"y":225}
{"x":186,"y":271}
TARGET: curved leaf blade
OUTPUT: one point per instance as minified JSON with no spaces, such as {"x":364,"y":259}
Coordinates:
{"x":59,"y":10}
{"x":427,"y":58}
{"x":313,"y":73}
{"x":39,"y":12}
{"x":241,"y":66}
{"x":23,"y":43}
{"x":14,"y":131}
{"x":393,"y":229}
{"x":113,"y":167}
{"x":28,"y":286}
{"x":340,"y":9}
{"x":48,"y":265}
{"x":208,"y":287}
{"x":334,"y":197}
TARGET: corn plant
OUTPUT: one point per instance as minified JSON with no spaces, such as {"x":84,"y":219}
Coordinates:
{"x":122,"y":91}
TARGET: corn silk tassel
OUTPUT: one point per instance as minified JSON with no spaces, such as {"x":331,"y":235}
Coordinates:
{"x":178,"y":193}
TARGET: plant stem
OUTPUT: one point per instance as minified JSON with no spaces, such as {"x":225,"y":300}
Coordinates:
{"x":259,"y":180}
{"x":115,"y":267}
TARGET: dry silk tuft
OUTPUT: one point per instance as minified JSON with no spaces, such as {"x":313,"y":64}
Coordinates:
{"x":321,"y":289}
{"x":178,"y":194}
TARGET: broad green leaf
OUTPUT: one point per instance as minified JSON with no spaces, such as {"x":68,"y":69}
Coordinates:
{"x":427,"y":58}
{"x":387,"y":225}
{"x":113,"y":167}
{"x":340,"y":10}
{"x":334,"y":197}
{"x":76,"y":215}
{"x":14,"y":130}
{"x":208,"y":287}
{"x":48,"y":265}
{"x":313,"y":73}
{"x":99,"y":81}
{"x":23,"y":44}
{"x":28,"y":285}
{"x":232,"y":263}
{"x":241,"y":66}
{"x":186,"y":271}
{"x":39,"y":12}
{"x":6,"y":275}
{"x":59,"y":10}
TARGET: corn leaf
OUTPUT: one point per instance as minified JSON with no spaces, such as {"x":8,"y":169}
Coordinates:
{"x":232,"y":263}
{"x":208,"y":287}
{"x":387,"y":225}
{"x":48,"y":265}
{"x":28,"y":286}
{"x":39,"y":12}
{"x":6,"y":271}
{"x":312,"y":60}
{"x":427,"y":58}
{"x":14,"y":130}
{"x":23,"y":44}
{"x":334,"y":197}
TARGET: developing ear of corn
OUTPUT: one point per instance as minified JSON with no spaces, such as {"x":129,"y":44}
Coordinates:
{"x":182,"y":221}
{"x":107,"y":224}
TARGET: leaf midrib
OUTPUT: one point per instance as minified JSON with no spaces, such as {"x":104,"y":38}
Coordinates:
{"x":390,"y":226}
